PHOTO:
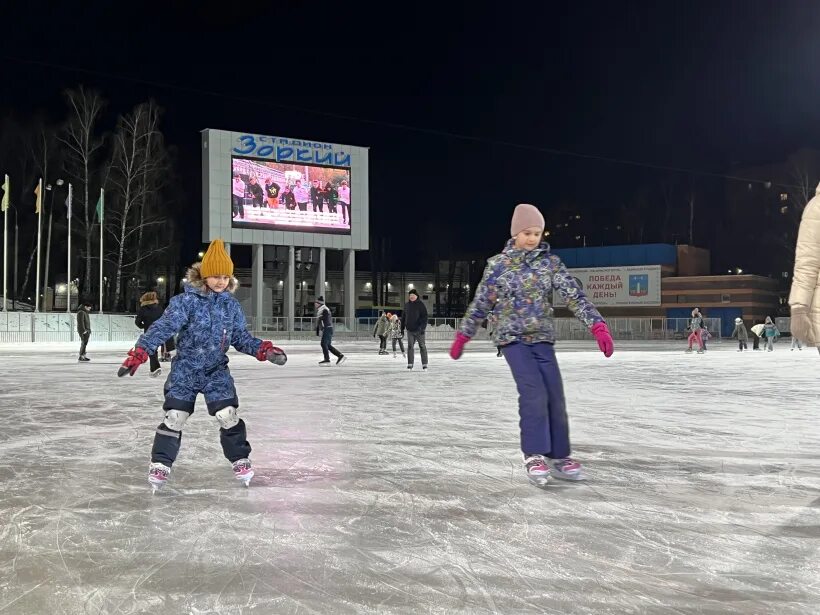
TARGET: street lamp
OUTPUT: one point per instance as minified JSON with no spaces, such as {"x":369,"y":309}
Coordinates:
{"x":52,"y":190}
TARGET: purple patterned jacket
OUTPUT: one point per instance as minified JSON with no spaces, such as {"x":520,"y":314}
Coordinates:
{"x":517,"y":287}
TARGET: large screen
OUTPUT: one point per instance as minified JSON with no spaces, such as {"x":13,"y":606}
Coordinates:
{"x":289,"y":197}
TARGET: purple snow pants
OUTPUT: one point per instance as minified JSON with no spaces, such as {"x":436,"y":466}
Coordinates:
{"x":544,"y":424}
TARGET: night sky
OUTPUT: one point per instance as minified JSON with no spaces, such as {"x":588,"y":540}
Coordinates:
{"x":699,"y":85}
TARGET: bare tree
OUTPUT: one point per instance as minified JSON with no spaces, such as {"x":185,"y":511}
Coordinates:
{"x":134,"y":168}
{"x":82,"y":145}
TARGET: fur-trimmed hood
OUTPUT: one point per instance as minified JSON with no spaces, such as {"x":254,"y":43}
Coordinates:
{"x":197,"y":283}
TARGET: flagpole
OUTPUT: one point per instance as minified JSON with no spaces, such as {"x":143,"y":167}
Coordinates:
{"x":5,"y":245}
{"x":68,"y":274}
{"x":39,"y":236}
{"x":102,"y":215}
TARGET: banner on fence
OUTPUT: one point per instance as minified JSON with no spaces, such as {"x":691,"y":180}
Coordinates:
{"x":614,"y":286}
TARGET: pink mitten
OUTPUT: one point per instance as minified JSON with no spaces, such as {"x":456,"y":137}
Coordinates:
{"x":603,"y":337}
{"x":457,"y":349}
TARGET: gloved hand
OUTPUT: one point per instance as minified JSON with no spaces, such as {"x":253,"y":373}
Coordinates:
{"x":268,"y":352}
{"x":136,"y":357}
{"x":457,"y":349}
{"x":604,"y":338}
{"x":801,"y":324}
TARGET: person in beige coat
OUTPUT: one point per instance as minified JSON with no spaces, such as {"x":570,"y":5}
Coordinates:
{"x":804,"y":298}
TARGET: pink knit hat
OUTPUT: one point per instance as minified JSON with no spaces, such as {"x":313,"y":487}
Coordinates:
{"x":524,"y":217}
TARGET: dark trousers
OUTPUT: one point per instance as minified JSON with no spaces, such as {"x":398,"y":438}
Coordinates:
{"x":302,"y":206}
{"x":84,"y":342}
{"x":755,"y":343}
{"x":238,"y":207}
{"x":741,"y":345}
{"x":327,"y":344}
{"x":412,"y":338}
{"x":153,"y":361}
{"x":541,"y":406}
{"x":345,"y":211}
{"x":401,"y":344}
{"x":382,"y":342}
{"x":167,"y":441}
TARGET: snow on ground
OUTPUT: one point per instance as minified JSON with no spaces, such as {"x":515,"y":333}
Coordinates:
{"x":386,"y":491}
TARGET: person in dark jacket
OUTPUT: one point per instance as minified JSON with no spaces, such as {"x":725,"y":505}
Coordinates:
{"x":317,"y":196}
{"x":324,"y":327}
{"x":255,"y":191}
{"x":272,"y":193}
{"x":331,"y":196}
{"x":149,"y":312}
{"x":287,"y":198}
{"x":84,"y":329}
{"x":741,"y":334}
{"x":415,"y":321}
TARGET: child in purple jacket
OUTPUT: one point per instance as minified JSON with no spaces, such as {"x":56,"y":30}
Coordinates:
{"x":517,"y":287}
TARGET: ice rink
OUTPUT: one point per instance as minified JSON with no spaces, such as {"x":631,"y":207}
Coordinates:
{"x":379,"y":490}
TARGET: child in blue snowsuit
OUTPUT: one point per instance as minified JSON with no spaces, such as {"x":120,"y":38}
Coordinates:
{"x":209,"y":320}
{"x":517,"y":287}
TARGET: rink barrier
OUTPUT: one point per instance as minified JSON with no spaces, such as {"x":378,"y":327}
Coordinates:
{"x":29,"y":327}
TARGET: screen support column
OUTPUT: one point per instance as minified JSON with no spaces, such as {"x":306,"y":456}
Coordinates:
{"x":350,"y":287}
{"x":257,"y":286}
{"x":321,"y":274}
{"x":290,"y":288}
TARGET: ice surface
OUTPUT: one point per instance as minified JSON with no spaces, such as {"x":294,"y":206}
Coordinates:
{"x":383,"y":490}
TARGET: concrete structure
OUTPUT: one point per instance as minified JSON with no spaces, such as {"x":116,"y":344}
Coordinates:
{"x":219,"y":147}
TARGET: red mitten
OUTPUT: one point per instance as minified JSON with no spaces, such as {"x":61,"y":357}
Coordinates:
{"x":268,"y":352}
{"x":457,"y":349}
{"x":604,"y":338}
{"x":136,"y":357}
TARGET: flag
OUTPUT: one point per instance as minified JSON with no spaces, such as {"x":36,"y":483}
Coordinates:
{"x":37,"y":202}
{"x":100,"y":207}
{"x":4,"y":205}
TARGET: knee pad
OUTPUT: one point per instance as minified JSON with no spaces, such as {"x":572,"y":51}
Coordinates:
{"x":175,"y":419}
{"x":227,"y":417}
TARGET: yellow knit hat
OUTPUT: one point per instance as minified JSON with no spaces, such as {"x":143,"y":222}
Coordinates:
{"x":216,"y":260}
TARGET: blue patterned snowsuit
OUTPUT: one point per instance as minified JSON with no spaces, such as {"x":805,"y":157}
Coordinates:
{"x":517,"y":288}
{"x":207,"y":324}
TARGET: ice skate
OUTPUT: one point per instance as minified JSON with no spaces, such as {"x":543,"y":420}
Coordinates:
{"x":158,"y":475}
{"x":701,"y":351}
{"x":566,"y":469}
{"x":242,"y":471}
{"x":341,"y":360}
{"x":688,"y":351}
{"x":83,"y":359}
{"x":156,"y":373}
{"x":538,"y":471}
{"x":325,"y":363}
{"x":424,"y":368}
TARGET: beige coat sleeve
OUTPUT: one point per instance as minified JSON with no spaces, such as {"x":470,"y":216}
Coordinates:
{"x":807,"y":257}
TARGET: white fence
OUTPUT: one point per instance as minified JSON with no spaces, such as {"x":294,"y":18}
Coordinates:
{"x":22,"y":327}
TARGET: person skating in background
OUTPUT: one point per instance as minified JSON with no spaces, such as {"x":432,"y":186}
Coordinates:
{"x":492,"y":325}
{"x":770,"y":333}
{"x":302,"y":195}
{"x":796,"y":342}
{"x":517,"y":287}
{"x":255,"y":191}
{"x":344,"y":200}
{"x":696,"y":329}
{"x":705,"y":336}
{"x":380,"y":330}
{"x":288,"y":199}
{"x":272,"y":193}
{"x":757,"y":333}
{"x":238,"y":196}
{"x":84,"y":329}
{"x":395,"y":334}
{"x":414,"y":319}
{"x":741,"y":334}
{"x":209,"y":320}
{"x":149,"y":312}
{"x":324,"y":327}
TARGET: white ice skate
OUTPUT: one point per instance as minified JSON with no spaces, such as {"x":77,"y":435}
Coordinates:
{"x":242,"y":471}
{"x":156,"y":373}
{"x":566,"y":469}
{"x":158,"y":475}
{"x":537,"y":470}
